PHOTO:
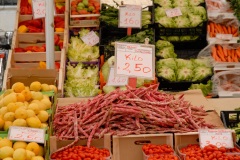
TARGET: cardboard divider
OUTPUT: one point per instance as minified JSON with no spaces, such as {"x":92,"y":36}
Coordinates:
{"x":130,"y":147}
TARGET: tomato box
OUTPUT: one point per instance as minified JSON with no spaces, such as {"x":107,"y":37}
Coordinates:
{"x":130,"y":147}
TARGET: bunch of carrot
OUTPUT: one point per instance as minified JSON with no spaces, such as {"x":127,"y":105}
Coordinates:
{"x":222,"y":54}
{"x":216,"y":28}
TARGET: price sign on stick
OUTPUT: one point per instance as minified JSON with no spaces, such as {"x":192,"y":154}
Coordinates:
{"x":26,"y":134}
{"x":91,"y":38}
{"x":136,"y":60}
{"x":173,"y":12}
{"x":130,"y":16}
{"x":114,"y":80}
{"x":39,"y":8}
{"x":217,"y":137}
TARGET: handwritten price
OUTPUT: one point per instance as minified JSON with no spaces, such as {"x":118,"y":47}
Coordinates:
{"x":137,"y":68}
{"x":39,"y":9}
{"x":224,"y":36}
{"x":90,"y":39}
{"x":173,"y":12}
{"x":40,"y":12}
{"x":130,"y":16}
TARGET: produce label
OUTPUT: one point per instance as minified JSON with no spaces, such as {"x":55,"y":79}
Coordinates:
{"x":130,"y":16}
{"x":173,"y":12}
{"x":39,"y":8}
{"x":26,"y":134}
{"x":135,"y":60}
{"x":224,"y":36}
{"x":114,"y":80}
{"x":217,"y":137}
{"x":90,"y":39}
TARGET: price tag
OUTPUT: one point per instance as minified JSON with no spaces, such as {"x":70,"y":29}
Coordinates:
{"x":39,"y":8}
{"x":173,"y":12}
{"x":226,"y":37}
{"x":91,"y":38}
{"x":26,"y":134}
{"x":135,"y":60}
{"x":130,"y":16}
{"x":217,"y":137}
{"x":114,"y":80}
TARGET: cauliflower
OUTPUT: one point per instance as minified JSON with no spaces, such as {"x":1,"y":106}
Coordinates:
{"x":166,"y":73}
{"x":182,"y":22}
{"x":184,"y":74}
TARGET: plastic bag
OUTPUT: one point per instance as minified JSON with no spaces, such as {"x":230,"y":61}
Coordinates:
{"x":218,"y":6}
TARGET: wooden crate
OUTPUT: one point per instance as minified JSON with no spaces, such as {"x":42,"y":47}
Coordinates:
{"x":130,"y":147}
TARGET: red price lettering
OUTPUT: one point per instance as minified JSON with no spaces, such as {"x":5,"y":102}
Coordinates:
{"x":129,"y":14}
{"x":131,"y":21}
{"x":127,"y":65}
{"x":40,"y":12}
{"x":144,"y":69}
{"x":18,"y":136}
{"x":221,"y":144}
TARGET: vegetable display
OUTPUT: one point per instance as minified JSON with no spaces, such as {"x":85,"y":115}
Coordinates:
{"x":81,"y":80}
{"x":78,"y":51}
{"x":178,"y":70}
{"x":216,"y":28}
{"x":81,"y":152}
{"x":221,"y":53}
{"x":193,"y":151}
{"x":133,"y":111}
{"x":191,"y":17}
{"x":150,"y":149}
{"x":85,"y":7}
{"x":165,"y":49}
{"x":109,"y":16}
{"x":206,"y":88}
{"x":178,"y":3}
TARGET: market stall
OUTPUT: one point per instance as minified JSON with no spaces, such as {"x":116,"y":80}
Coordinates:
{"x":135,"y":80}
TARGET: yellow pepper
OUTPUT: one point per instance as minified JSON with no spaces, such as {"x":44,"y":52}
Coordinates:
{"x":42,"y":65}
{"x":22,"y":29}
{"x":59,"y":29}
{"x":30,"y":2}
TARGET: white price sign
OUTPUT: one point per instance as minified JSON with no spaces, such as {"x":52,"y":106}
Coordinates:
{"x":114,"y":80}
{"x":39,"y":8}
{"x":135,"y":60}
{"x":224,"y":36}
{"x":91,"y":38}
{"x":217,"y":137}
{"x":173,"y":12}
{"x":26,"y":134}
{"x":130,"y":16}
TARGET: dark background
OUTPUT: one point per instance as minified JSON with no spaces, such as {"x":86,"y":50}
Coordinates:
{"x":8,"y":2}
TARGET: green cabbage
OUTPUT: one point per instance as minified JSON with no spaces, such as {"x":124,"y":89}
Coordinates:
{"x":195,"y":19}
{"x":159,"y":12}
{"x":184,"y":63}
{"x":186,"y":10}
{"x":166,"y":52}
{"x":182,"y":22}
{"x":180,"y":3}
{"x":168,"y":62}
{"x":184,"y":74}
{"x":163,"y":3}
{"x":200,"y":10}
{"x":166,"y":73}
{"x":167,"y":22}
{"x":201,"y":72}
{"x":205,"y":62}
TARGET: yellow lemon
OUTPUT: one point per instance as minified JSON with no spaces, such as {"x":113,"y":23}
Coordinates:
{"x":19,"y":154}
{"x":41,"y":151}
{"x":34,"y":147}
{"x":37,"y":95}
{"x":20,"y":122}
{"x":5,"y":142}
{"x":27,"y":94}
{"x":34,"y":107}
{"x":12,"y":107}
{"x":6,"y":152}
{"x":3,"y":110}
{"x":35,"y":86}
{"x":7,"y":124}
{"x":47,"y":102}
{"x":9,"y":116}
{"x":30,"y":154}
{"x":43,"y":116}
{"x":45,"y":87}
{"x":18,"y":87}
{"x":30,"y":113}
{"x":21,"y":113}
{"x":33,"y":122}
{"x":19,"y":144}
{"x":37,"y":158}
{"x":20,"y":97}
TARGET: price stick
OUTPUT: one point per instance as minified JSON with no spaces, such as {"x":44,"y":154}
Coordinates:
{"x":130,"y":16}
{"x":135,"y":60}
{"x":174,"y":12}
{"x":224,"y":36}
{"x":217,"y":137}
{"x":91,"y":38}
{"x":39,"y":8}
{"x":26,"y":134}
{"x":114,"y":80}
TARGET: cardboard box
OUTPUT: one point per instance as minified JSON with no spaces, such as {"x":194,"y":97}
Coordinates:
{"x":130,"y":147}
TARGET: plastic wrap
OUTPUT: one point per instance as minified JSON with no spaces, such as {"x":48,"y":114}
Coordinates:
{"x":226,"y":83}
{"x":218,"y":7}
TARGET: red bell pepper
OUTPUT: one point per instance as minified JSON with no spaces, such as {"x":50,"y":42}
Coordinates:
{"x":19,"y":49}
{"x":32,"y":29}
{"x":56,"y":39}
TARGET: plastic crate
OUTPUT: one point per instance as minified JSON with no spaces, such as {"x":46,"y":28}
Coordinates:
{"x":227,"y":121}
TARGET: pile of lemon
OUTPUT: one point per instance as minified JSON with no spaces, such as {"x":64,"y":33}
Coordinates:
{"x":20,"y":150}
{"x":25,"y":106}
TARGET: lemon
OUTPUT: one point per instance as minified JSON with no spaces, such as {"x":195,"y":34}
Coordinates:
{"x":34,"y":107}
{"x":3,"y":110}
{"x":35,"y":86}
{"x":30,"y":154}
{"x":41,"y":151}
{"x":6,"y":152}
{"x":19,"y":144}
{"x":1,"y":123}
{"x":8,"y":158}
{"x":18,"y":87}
{"x":7,"y":124}
{"x":22,"y":29}
{"x":42,"y":106}
{"x":47,"y":102}
{"x":21,"y":113}
{"x":27,"y":94}
{"x":19,"y":154}
{"x":44,"y":125}
{"x":20,"y":97}
{"x":37,"y":158}
{"x":34,"y":147}
{"x":53,"y":87}
{"x":20,"y":122}
{"x":9,"y":98}
{"x":43,"y":116}
{"x":20,"y":104}
{"x":45,"y":87}
{"x":37,"y":95}
{"x":5,"y":142}
{"x":9,"y":116}
{"x":12,"y":107}
{"x":30,"y":113}
{"x":33,"y":122}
